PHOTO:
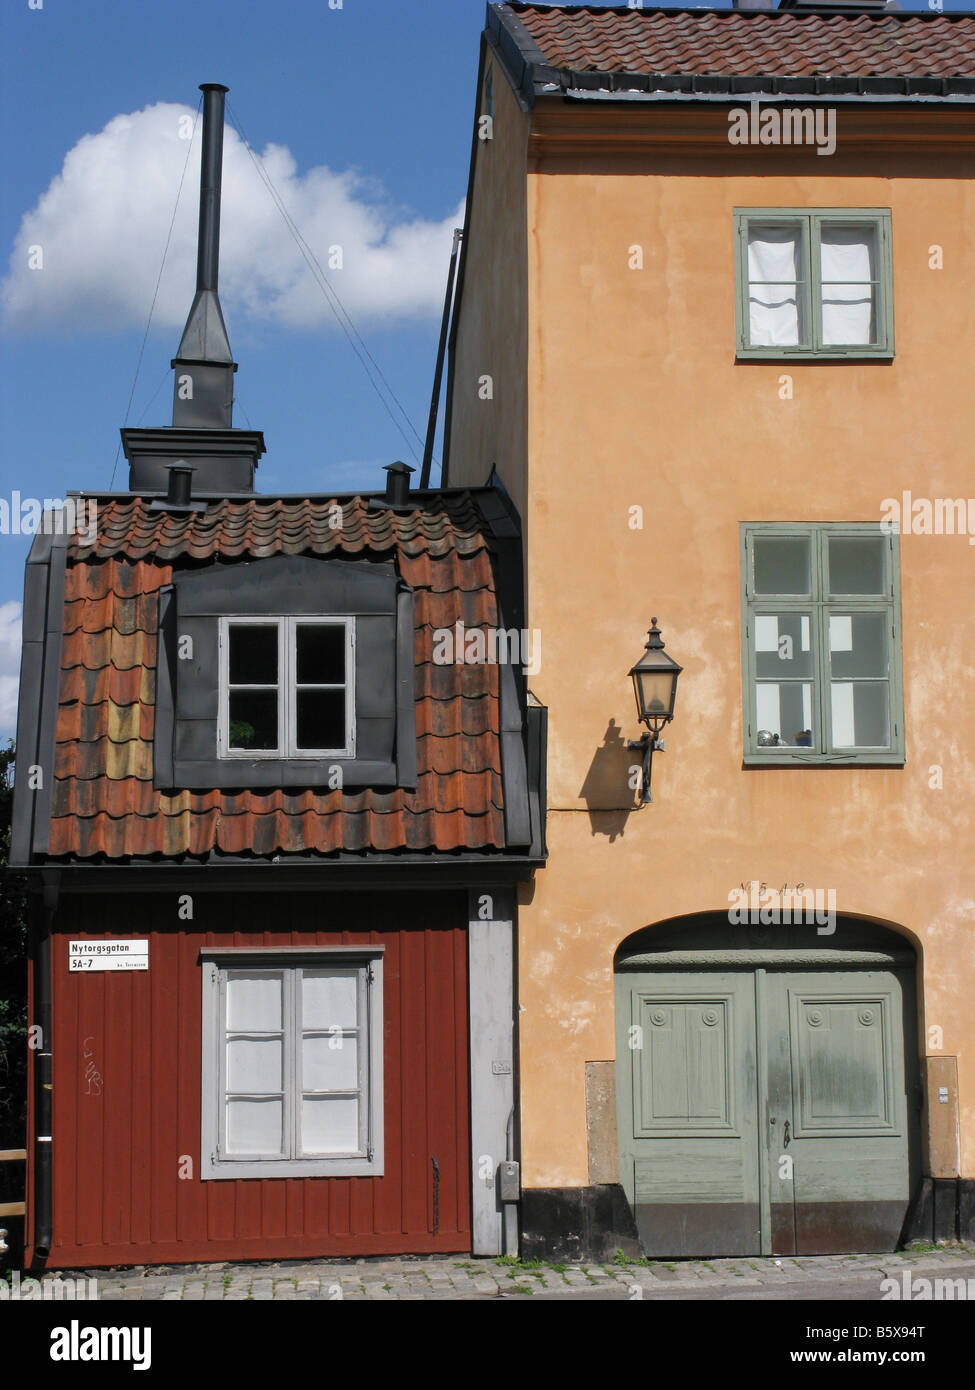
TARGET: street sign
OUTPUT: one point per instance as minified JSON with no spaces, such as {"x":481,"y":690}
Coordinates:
{"x":108,"y":955}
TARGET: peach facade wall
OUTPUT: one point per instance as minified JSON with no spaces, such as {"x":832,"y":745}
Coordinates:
{"x":636,"y":400}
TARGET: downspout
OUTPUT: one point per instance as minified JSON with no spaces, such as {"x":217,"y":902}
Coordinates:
{"x":43,"y":1168}
{"x":438,"y":374}
{"x":461,"y":265}
{"x":509,"y":1232}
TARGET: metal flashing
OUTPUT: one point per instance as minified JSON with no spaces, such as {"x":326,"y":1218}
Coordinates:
{"x":34,"y":628}
{"x":48,"y":711}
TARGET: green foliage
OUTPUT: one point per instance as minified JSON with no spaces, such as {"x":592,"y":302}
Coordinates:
{"x":241,"y":734}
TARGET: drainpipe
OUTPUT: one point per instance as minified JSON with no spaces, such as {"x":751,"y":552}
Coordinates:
{"x":438,"y":374}
{"x":41,"y":958}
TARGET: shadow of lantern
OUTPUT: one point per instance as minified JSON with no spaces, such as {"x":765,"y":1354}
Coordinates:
{"x":607,"y":792}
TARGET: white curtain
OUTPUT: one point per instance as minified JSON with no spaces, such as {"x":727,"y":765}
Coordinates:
{"x":773,"y":286}
{"x":846,"y":268}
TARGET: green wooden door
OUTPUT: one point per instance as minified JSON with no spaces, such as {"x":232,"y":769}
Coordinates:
{"x":689,"y":1111}
{"x":837,"y":1112}
{"x":766,"y":1111}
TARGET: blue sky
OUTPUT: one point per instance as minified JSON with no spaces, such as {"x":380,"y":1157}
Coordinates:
{"x":368,"y":112}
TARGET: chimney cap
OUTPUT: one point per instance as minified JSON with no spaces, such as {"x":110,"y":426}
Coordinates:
{"x":397,"y":495}
{"x":213,"y":87}
{"x":179,"y":492}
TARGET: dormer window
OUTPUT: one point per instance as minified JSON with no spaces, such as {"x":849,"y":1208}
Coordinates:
{"x":287,"y":687}
{"x":290,"y":671}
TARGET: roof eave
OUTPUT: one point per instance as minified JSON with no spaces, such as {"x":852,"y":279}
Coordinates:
{"x":533,"y":76}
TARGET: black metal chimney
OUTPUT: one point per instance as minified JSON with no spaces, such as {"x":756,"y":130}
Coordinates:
{"x":211,"y":178}
{"x":203,"y":392}
{"x":398,"y":484}
{"x":202,"y":442}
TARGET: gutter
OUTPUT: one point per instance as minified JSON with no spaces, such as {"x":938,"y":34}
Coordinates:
{"x":299,"y":875}
{"x":766,"y":98}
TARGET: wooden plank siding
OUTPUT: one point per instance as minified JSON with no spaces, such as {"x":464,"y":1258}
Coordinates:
{"x":127,"y":1086}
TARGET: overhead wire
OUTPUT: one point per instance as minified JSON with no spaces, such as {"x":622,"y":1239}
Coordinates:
{"x":332,"y":298}
{"x":155,"y":295}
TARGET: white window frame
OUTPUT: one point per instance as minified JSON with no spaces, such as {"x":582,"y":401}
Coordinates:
{"x":217,"y":962}
{"x":287,"y":688}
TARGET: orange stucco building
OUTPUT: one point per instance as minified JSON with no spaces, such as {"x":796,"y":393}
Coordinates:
{"x":705,"y":369}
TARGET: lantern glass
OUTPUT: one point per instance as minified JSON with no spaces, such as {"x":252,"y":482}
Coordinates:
{"x":655,"y":693}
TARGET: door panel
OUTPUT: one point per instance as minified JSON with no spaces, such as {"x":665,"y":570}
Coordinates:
{"x":688,"y":1114}
{"x":766,"y":1110}
{"x":837,"y":1079}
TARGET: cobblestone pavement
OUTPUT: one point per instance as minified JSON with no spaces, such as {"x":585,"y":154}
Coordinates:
{"x":464,"y":1277}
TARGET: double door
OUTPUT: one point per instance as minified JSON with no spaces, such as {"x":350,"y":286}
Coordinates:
{"x":765,"y":1111}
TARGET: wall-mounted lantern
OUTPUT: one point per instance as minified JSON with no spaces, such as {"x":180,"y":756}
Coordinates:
{"x":655,"y":686}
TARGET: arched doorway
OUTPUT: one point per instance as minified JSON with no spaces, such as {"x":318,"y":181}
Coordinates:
{"x":768,"y":1094}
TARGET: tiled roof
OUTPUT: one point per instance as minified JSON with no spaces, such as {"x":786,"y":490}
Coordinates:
{"x":742,"y":43}
{"x":104,"y":804}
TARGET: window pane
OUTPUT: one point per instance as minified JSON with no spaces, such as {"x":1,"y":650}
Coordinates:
{"x":253,"y":654}
{"x":321,"y":654}
{"x":776,"y":296}
{"x":254,"y":1065}
{"x":329,"y":998}
{"x":783,"y":645}
{"x":330,"y":1064}
{"x":858,"y":644}
{"x":321,"y":718}
{"x":253,"y":721}
{"x":254,"y":1002}
{"x":848,"y":264}
{"x":857,"y":565}
{"x":782,"y":565}
{"x":860,"y":714}
{"x":784,"y":714}
{"x":254,"y":1126}
{"x":329,"y":1125}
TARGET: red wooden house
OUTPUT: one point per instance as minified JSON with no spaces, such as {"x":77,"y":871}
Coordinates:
{"x":273,"y":847}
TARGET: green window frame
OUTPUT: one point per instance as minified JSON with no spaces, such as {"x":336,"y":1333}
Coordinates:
{"x":821,"y":644}
{"x":821,"y":308}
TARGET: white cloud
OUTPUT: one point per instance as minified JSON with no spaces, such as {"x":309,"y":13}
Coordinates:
{"x":102,"y":225}
{"x":9,"y":667}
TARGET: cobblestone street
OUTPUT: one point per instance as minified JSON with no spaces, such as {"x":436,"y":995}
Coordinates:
{"x":453,"y":1277}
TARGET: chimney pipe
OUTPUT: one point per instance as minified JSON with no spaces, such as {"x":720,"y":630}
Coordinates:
{"x":203,"y":389}
{"x":398,"y":483}
{"x":180,"y":487}
{"x":203,"y":384}
{"x":211,"y":169}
